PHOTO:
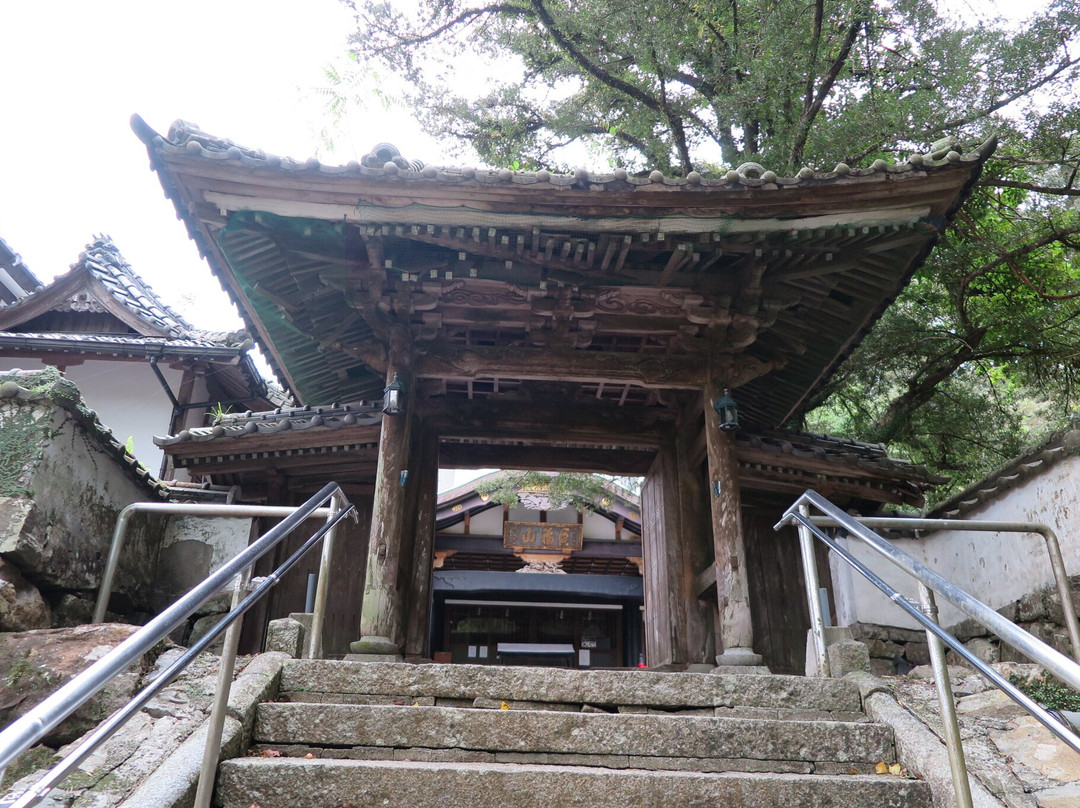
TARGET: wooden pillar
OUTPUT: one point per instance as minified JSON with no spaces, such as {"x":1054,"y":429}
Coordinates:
{"x":694,"y":535}
{"x":418,"y":616}
{"x":381,"y":624}
{"x":732,"y":591}
{"x":665,"y":569}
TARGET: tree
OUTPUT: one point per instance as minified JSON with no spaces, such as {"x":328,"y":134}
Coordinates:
{"x":988,"y":328}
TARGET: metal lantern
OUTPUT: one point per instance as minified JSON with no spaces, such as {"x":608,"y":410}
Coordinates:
{"x":394,"y":397}
{"x":728,"y":411}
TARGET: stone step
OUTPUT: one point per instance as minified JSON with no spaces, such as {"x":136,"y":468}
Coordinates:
{"x":300,"y":783}
{"x":547,"y":688}
{"x":614,"y":740}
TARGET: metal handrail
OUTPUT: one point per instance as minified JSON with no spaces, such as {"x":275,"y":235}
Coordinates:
{"x":1053,"y":550}
{"x":123,"y":521}
{"x":28,"y":730}
{"x":925,"y":614}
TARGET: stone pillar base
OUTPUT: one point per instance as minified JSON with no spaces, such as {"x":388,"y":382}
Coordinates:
{"x":739,"y":660}
{"x":374,"y":649}
{"x":373,"y":658}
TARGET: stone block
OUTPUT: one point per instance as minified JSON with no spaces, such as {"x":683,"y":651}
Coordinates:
{"x":846,"y":657}
{"x":871,"y":631}
{"x":33,"y":664}
{"x":560,"y":685}
{"x":284,"y":635}
{"x":304,"y":619}
{"x":883,"y":667}
{"x":258,"y":682}
{"x":290,"y":781}
{"x":884,"y":649}
{"x":21,"y":605}
{"x":202,"y":627}
{"x":535,"y":731}
{"x":72,"y":610}
{"x":1032,"y":607}
{"x":984,"y":649}
{"x":917,"y":653}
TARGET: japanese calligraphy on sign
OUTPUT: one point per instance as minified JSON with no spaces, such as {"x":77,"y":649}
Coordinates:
{"x":556,"y":536}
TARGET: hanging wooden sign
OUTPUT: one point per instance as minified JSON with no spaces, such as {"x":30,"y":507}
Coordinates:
{"x":556,"y":536}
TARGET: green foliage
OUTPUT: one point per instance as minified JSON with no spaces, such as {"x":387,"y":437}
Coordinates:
{"x":218,"y":411}
{"x":22,"y":435}
{"x":563,"y":489}
{"x":655,"y":84}
{"x":1049,"y":692}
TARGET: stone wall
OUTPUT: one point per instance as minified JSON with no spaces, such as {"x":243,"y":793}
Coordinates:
{"x":191,"y":549}
{"x":896,"y":650}
{"x":63,"y":482}
{"x":997,"y":568}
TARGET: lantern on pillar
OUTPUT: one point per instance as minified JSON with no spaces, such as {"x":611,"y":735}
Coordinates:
{"x":394,"y":397}
{"x":728,"y":411}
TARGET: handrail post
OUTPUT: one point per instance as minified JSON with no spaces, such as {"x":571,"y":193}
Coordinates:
{"x":1061,"y":578}
{"x":810,"y":576}
{"x":226,"y":667}
{"x":322,"y":586}
{"x":950,"y":726}
{"x":115,"y":547}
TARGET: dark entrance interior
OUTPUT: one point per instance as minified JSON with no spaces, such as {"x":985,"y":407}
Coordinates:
{"x":519,"y":632}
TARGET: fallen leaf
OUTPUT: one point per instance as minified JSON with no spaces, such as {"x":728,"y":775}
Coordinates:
{"x":881,"y":768}
{"x":503,"y":705}
{"x":271,"y":753}
{"x":309,"y":756}
{"x":895,"y":770}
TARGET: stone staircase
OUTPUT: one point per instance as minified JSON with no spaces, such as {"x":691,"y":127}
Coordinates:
{"x":466,"y":736}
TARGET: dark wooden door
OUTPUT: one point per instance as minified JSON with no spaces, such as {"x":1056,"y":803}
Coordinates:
{"x":778,"y":605}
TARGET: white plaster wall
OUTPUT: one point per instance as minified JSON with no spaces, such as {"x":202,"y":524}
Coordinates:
{"x":489,"y":523}
{"x":997,"y":568}
{"x":194,"y":547}
{"x":601,"y":528}
{"x":127,"y":398}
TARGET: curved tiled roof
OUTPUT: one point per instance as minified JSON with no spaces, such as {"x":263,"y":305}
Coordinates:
{"x":870,"y":457}
{"x":184,"y":136}
{"x":17,"y":280}
{"x":122,"y":342}
{"x":102,"y":259}
{"x":1014,"y":473}
{"x":748,"y":254}
{"x":241,"y":425}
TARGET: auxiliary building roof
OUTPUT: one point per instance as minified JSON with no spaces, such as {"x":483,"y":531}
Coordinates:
{"x":103,"y":307}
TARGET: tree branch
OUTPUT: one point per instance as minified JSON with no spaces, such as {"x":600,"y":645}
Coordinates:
{"x":806,"y":121}
{"x":594,"y":70}
{"x":1031,"y":186}
{"x":463,"y":18}
{"x":956,"y":123}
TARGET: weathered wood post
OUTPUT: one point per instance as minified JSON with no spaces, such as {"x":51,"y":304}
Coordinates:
{"x":426,"y":461}
{"x":381,"y":630}
{"x":732,"y":590}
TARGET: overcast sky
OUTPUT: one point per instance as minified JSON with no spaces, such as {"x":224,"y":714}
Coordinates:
{"x":72,"y":74}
